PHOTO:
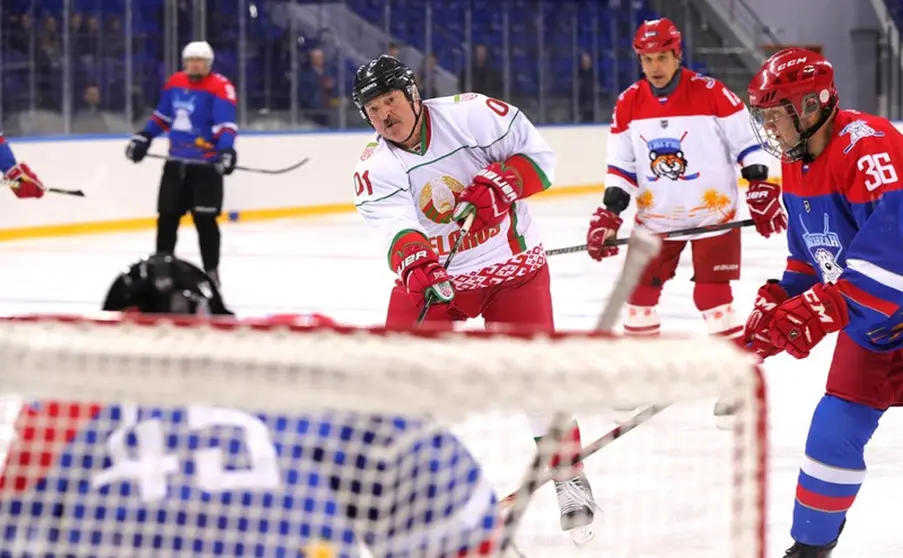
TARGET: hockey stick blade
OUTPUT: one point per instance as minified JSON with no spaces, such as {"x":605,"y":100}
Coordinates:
{"x":682,"y":232}
{"x":13,"y":184}
{"x":639,"y":418}
{"x":186,"y":161}
{"x":464,"y":230}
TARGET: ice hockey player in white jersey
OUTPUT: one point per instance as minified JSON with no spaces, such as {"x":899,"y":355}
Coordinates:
{"x":676,"y":141}
{"x":427,"y":166}
{"x":111,"y":479}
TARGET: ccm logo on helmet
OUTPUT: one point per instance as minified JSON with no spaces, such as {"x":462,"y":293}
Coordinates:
{"x":786,"y":65}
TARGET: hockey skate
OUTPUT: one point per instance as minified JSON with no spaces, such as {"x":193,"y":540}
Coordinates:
{"x":578,"y":508}
{"x":800,"y":550}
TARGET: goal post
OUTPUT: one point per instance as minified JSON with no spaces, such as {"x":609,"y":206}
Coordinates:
{"x":163,"y":418}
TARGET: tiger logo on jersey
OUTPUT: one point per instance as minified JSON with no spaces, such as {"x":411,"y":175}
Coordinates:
{"x":667,"y":160}
{"x":438,"y":198}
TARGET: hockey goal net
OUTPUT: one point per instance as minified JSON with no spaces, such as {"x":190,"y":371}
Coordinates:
{"x":163,"y":438}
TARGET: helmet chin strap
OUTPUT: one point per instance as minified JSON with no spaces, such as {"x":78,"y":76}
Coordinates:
{"x":802,"y":148}
{"x":417,"y":115}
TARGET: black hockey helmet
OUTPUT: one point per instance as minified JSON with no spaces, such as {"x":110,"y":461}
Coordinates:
{"x":380,"y":76}
{"x":164,"y":284}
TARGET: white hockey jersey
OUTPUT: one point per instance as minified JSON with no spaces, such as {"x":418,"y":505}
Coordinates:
{"x":411,"y":194}
{"x":680,"y":156}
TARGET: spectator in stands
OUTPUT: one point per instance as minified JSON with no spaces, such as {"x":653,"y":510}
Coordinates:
{"x":586,"y":89}
{"x":317,"y":88}
{"x":49,"y":65}
{"x":485,"y":79}
{"x":18,"y":35}
{"x":114,"y":38}
{"x":426,"y":78}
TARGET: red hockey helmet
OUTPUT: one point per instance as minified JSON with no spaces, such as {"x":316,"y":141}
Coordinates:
{"x":791,"y":86}
{"x":657,"y":35}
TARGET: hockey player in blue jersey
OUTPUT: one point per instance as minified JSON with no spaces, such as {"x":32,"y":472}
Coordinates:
{"x":103,"y":480}
{"x":844,"y":199}
{"x":27,"y":183}
{"x":197,"y":109}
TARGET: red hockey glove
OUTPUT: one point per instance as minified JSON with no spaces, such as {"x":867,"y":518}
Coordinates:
{"x":422,"y":275}
{"x":755,"y":333}
{"x":604,"y":225}
{"x":802,"y":321}
{"x":29,"y":185}
{"x":490,"y":196}
{"x":764,"y":201}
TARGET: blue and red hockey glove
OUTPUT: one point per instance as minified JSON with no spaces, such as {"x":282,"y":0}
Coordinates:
{"x":803,"y":321}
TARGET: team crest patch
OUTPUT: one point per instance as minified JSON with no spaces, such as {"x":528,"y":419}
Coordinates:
{"x":858,"y":130}
{"x":438,"y":198}
{"x":371,"y":147}
{"x":825,"y":248}
{"x":666,"y":159}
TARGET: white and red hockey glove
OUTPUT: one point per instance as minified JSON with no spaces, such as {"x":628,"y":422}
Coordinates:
{"x":605,"y":224}
{"x":490,"y":196}
{"x":764,"y":202}
{"x":28,"y":185}
{"x":422,"y":275}
{"x":803,"y":321}
{"x":755,"y":333}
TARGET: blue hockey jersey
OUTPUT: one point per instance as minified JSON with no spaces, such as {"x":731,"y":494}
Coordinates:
{"x":199,"y":116}
{"x":7,"y":159}
{"x":845,"y":225}
{"x":91,"y":480}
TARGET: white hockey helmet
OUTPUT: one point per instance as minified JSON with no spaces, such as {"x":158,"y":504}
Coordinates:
{"x":198,"y":49}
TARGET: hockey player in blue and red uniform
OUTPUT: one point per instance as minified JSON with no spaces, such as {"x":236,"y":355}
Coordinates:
{"x":115,"y":479}
{"x":28,"y":184}
{"x":844,"y":199}
{"x":197,"y":109}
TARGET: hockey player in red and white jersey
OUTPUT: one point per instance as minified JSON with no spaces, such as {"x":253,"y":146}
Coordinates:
{"x":676,"y":141}
{"x":23,"y":181}
{"x":429,"y":165}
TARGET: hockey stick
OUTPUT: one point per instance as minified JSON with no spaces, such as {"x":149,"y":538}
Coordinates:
{"x":14,"y":184}
{"x":237,"y":167}
{"x":464,"y":230}
{"x":642,"y":247}
{"x":682,"y":232}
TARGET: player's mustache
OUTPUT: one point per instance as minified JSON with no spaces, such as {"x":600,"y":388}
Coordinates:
{"x":390,"y":121}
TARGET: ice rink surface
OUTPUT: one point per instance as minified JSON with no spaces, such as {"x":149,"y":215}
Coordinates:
{"x":664,"y":489}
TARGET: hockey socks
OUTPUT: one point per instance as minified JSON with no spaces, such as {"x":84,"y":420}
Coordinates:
{"x":833,"y":468}
{"x":567,"y":451}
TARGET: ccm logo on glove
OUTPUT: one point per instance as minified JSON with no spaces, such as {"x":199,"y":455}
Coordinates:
{"x":816,"y":305}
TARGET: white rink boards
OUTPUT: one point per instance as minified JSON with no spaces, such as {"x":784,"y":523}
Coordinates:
{"x":335,"y":266}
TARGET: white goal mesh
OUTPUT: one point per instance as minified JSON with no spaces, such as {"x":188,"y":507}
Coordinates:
{"x":157,"y":438}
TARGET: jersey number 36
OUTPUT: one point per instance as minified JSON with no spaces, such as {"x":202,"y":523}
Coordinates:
{"x":878,"y":168}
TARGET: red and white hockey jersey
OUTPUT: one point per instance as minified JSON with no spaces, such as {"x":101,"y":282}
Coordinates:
{"x":409,"y":195}
{"x":680,"y":156}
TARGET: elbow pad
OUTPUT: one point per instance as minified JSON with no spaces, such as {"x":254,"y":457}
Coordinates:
{"x":615,"y":200}
{"x":754,"y":173}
